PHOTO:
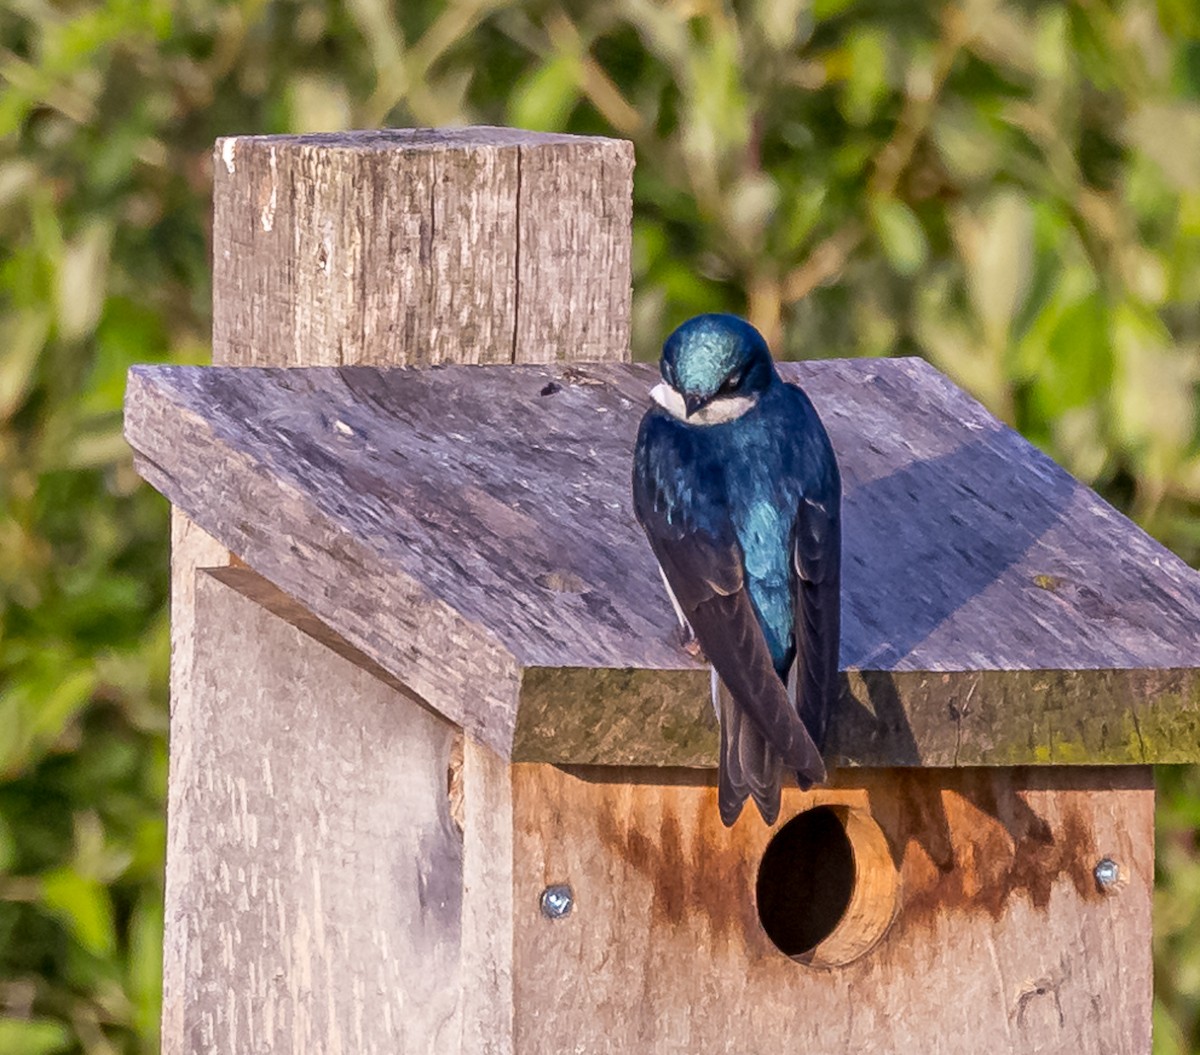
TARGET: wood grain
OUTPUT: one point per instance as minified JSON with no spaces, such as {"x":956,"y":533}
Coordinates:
{"x":575,"y":214}
{"x":421,"y":246}
{"x":1003,"y":942}
{"x":487,"y":913}
{"x":315,"y":882}
{"x":996,"y":611}
{"x":191,"y":548}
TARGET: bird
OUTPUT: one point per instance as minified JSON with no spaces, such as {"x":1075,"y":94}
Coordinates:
{"x":737,"y":487}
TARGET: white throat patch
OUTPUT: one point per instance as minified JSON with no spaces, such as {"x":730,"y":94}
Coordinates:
{"x":719,"y":411}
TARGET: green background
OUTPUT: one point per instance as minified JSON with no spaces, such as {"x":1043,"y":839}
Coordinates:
{"x":1010,"y":189}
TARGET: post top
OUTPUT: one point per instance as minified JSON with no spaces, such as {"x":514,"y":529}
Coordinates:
{"x":469,"y":529}
{"x":465,"y":138}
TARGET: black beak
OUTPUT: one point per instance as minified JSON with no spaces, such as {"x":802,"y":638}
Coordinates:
{"x":694,"y":403}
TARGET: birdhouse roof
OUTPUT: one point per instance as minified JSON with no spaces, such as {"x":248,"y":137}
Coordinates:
{"x":469,"y":530}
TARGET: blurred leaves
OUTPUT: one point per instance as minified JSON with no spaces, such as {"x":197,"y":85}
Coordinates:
{"x":23,"y":1036}
{"x":83,"y":906}
{"x":544,"y":98}
{"x":1011,"y":190}
{"x":1169,"y":135}
{"x":900,"y":235}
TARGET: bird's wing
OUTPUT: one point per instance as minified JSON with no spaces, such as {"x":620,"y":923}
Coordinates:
{"x":698,"y":552}
{"x":816,"y":627}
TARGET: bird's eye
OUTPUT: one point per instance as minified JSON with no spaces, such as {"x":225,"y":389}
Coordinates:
{"x":731,"y":383}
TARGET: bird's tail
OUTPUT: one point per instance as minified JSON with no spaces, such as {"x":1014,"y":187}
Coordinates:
{"x":748,"y":766}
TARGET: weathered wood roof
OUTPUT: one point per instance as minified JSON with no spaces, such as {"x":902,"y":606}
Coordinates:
{"x":469,"y":530}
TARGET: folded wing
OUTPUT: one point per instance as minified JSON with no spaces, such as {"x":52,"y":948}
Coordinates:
{"x":698,"y":551}
{"x":817,"y":557}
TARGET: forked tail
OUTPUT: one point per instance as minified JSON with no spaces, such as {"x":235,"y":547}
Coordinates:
{"x":748,"y":766}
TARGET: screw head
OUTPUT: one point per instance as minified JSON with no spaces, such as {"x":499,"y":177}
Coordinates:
{"x":557,"y":901}
{"x":1107,"y":873}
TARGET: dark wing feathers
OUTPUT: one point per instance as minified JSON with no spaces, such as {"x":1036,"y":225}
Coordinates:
{"x":698,"y":551}
{"x":817,"y":557}
{"x":728,"y":631}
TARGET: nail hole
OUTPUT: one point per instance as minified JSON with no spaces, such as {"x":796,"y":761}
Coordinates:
{"x":827,"y":889}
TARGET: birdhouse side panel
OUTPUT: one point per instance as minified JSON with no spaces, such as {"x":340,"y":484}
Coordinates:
{"x":314,"y":877}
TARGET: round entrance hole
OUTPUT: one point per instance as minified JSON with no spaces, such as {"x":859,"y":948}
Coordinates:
{"x":827,"y":889}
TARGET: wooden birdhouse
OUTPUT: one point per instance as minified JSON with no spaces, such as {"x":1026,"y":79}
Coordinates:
{"x":442,"y":779}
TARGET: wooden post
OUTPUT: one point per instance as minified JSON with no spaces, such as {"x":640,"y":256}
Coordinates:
{"x":390,"y":248}
{"x":475,"y":245}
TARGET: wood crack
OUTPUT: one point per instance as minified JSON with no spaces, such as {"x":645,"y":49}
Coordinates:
{"x":517,"y":261}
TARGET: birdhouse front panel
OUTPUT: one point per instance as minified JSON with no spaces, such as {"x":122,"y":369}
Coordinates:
{"x":933,"y":911}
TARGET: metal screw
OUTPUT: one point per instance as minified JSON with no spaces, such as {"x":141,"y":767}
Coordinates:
{"x":557,"y":901}
{"x":1107,"y":872}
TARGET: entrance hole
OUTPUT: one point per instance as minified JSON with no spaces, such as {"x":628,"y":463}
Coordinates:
{"x":827,"y":889}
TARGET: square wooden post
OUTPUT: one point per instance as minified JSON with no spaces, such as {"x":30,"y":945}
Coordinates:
{"x":309,"y":830}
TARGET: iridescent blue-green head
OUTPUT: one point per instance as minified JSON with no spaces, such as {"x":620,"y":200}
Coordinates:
{"x":715,"y":366}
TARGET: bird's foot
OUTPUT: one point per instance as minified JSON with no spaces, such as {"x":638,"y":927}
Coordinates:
{"x":690,"y":643}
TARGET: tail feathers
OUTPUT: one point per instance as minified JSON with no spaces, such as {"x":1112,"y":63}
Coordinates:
{"x":748,"y":767}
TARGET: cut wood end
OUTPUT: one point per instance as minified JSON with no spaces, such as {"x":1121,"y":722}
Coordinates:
{"x":421,"y":139}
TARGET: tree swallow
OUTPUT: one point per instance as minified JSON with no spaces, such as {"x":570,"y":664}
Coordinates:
{"x":737,"y":488}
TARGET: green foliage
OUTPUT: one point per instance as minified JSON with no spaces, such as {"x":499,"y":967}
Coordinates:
{"x":1009,"y":189}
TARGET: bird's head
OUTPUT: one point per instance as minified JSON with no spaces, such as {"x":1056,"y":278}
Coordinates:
{"x":714,"y":368}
